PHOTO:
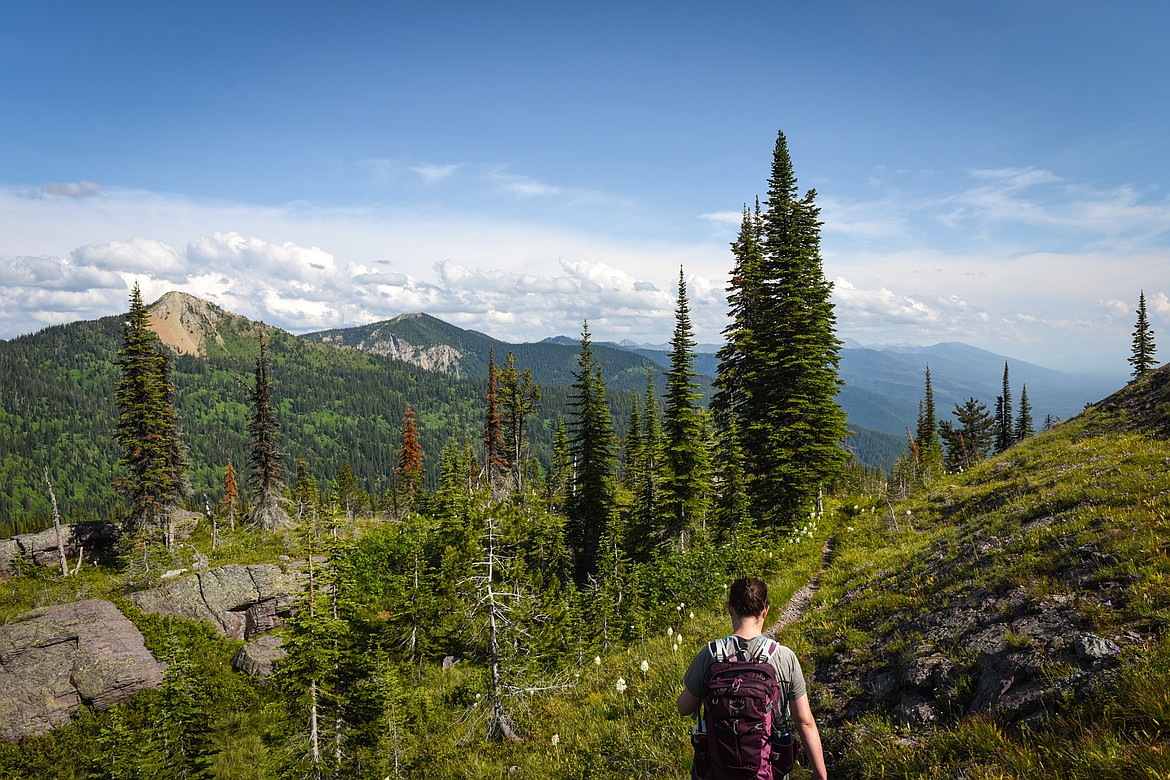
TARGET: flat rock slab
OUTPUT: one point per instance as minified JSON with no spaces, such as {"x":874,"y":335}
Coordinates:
{"x":239,"y":601}
{"x":56,"y":659}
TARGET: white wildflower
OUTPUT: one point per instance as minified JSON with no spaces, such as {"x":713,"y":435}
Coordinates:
{"x":620,"y":685}
{"x":597,"y":660}
{"x":692,"y":616}
{"x":669,"y":631}
{"x":555,"y":739}
{"x":644,"y":666}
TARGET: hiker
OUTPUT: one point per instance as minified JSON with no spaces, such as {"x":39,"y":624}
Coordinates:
{"x":766,"y":699}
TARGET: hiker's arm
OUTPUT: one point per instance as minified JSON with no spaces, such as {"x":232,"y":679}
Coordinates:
{"x":687,"y":702}
{"x":810,"y":736}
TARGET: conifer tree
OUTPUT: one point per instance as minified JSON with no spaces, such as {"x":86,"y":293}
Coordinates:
{"x":632,"y":447}
{"x":731,"y":500}
{"x":592,"y":443}
{"x":561,"y":476}
{"x":1024,"y":427}
{"x":494,"y":451}
{"x":687,"y":466}
{"x":778,"y":368}
{"x":1004,"y":424}
{"x":153,"y":457}
{"x":929,"y":448}
{"x":345,"y":492}
{"x":644,"y":529}
{"x":520,"y":398}
{"x":267,"y":503}
{"x":229,"y":505}
{"x":1142,"y":355}
{"x":409,"y":471}
{"x":972,"y":440}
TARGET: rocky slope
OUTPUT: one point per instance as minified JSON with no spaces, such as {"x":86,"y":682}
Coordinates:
{"x":57,"y":659}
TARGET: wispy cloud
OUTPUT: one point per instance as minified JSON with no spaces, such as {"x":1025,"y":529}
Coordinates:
{"x":80,"y":189}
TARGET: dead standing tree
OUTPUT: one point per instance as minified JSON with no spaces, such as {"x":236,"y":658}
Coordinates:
{"x":503,"y":611}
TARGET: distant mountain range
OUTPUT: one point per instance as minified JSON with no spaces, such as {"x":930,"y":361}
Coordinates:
{"x":882,"y":385}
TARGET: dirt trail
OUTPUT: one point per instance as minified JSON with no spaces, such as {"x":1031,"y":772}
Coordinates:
{"x":797,"y":605}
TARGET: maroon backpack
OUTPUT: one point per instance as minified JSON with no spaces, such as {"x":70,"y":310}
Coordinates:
{"x":739,"y":706}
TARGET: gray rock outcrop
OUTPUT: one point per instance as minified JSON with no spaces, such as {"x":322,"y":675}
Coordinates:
{"x":56,"y":659}
{"x":40,"y":548}
{"x":259,"y":656}
{"x":239,"y":601}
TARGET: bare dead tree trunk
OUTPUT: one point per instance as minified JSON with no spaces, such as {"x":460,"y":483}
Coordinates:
{"x":57,"y":526}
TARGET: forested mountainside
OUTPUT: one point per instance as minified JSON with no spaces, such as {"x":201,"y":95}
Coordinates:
{"x":432,"y":343}
{"x":334,"y":406}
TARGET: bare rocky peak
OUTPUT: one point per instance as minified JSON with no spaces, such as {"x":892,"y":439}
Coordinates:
{"x":185,"y":323}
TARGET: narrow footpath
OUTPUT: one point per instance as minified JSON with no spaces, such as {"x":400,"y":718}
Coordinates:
{"x":798,"y":604}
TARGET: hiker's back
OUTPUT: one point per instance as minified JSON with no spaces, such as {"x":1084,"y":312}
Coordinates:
{"x":740,"y":702}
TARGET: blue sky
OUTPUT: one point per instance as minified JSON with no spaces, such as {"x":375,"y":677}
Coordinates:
{"x":994,"y":173}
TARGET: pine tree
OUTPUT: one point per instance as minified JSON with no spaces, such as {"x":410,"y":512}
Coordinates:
{"x":408,"y":473}
{"x":731,"y":499}
{"x":345,"y":492}
{"x":520,"y":398}
{"x":561,"y":474}
{"x":1024,"y":427}
{"x":494,"y":451}
{"x":264,"y":464}
{"x":686,"y":477}
{"x":229,"y":505}
{"x":592,"y":444}
{"x":1142,"y":356}
{"x":148,"y":431}
{"x":644,"y":525}
{"x":778,"y":369}
{"x":927,"y":438}
{"x":972,"y":440}
{"x":1004,"y":426}
{"x":632,"y":447}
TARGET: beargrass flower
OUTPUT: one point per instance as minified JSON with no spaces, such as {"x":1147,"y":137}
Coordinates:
{"x":644,"y":666}
{"x":555,"y":739}
{"x":597,"y":660}
{"x":620,"y":685}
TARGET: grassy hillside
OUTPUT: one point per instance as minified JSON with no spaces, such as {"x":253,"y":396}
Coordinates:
{"x":1011,"y":622}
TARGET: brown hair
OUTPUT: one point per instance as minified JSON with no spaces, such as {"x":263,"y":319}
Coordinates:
{"x":748,"y":597}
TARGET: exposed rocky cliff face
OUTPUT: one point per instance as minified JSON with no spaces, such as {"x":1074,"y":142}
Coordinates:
{"x":54,"y":660}
{"x":239,"y":601}
{"x":185,"y":323}
{"x":438,"y":357}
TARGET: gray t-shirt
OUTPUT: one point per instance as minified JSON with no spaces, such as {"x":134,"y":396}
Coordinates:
{"x":789,"y":676}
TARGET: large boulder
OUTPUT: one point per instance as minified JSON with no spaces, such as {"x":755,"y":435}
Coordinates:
{"x":96,"y":538}
{"x":258,"y":657}
{"x":239,"y":601}
{"x":56,"y":659}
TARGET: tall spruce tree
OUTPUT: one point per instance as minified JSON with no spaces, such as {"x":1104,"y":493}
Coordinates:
{"x":592,"y":443}
{"x":686,"y":476}
{"x":1004,"y":423}
{"x":408,"y":473}
{"x":153,"y":457}
{"x":1142,"y":356}
{"x":264,"y":463}
{"x":1024,"y":426}
{"x":519,"y":398}
{"x":926,"y":436}
{"x":494,"y":451}
{"x":778,"y":370}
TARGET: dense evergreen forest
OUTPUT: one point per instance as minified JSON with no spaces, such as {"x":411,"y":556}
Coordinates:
{"x":335,"y":406}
